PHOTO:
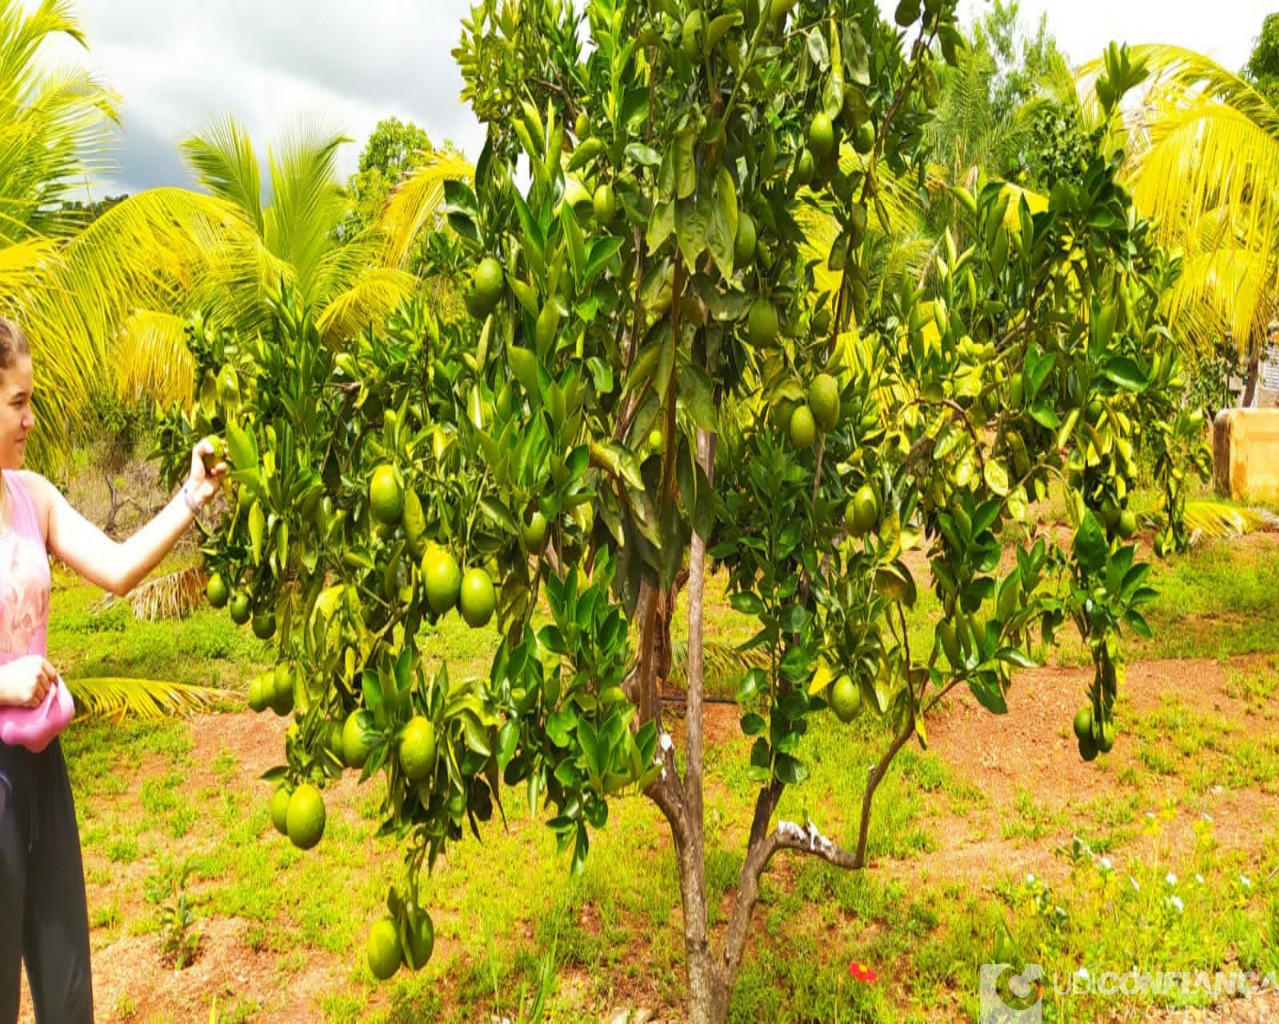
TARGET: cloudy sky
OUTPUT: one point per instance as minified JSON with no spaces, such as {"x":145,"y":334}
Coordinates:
{"x":178,"y":64}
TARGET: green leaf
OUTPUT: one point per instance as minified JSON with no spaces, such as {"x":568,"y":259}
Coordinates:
{"x":996,"y":477}
{"x":1013,"y":656}
{"x":576,"y":244}
{"x":696,"y":392}
{"x":619,"y":461}
{"x":685,"y":163}
{"x":790,"y":770}
{"x":896,"y":583}
{"x":1090,"y":545}
{"x":661,"y":224}
{"x":601,"y":251}
{"x":257,"y":529}
{"x":1127,"y":374}
{"x":523,"y":363}
{"x":753,"y":682}
{"x":692,"y":217}
{"x":720,"y":26}
{"x":641,"y":154}
{"x":747,"y":603}
{"x":1044,"y":414}
{"x":242,"y":447}
{"x":985,"y":687}
{"x":833,"y":88}
{"x":721,"y":232}
{"x":753,"y":724}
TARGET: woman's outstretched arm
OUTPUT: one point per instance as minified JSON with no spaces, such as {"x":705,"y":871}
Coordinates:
{"x":118,"y":566}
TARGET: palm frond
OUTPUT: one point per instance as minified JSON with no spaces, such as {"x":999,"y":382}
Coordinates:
{"x":370,"y":299}
{"x":416,"y":202}
{"x":307,"y":203}
{"x":171,"y":596}
{"x":224,"y":161}
{"x":116,"y":698}
{"x":1219,"y":520}
{"x":152,"y":359}
{"x":721,"y":661}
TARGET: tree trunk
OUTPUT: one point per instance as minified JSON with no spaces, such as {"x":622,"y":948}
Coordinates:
{"x":1254,"y":372}
{"x":707,"y":1000}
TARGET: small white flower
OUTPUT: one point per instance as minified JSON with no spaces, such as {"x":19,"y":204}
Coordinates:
{"x":1135,"y":887}
{"x":1170,"y":878}
{"x":1150,"y":815}
{"x":1245,"y":881}
{"x":1205,"y":817}
{"x":1105,"y":864}
{"x":1177,"y":904}
{"x":1082,"y":974}
{"x":1199,"y":878}
{"x":1030,"y":879}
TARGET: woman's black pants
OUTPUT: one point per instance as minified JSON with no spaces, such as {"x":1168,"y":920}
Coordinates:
{"x":43,"y":917}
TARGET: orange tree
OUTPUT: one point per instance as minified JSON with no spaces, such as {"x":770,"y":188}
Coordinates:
{"x":647,"y":385}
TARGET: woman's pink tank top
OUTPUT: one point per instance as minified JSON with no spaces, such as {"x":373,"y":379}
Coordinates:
{"x":24,"y":619}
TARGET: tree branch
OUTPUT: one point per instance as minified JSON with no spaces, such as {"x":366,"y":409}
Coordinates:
{"x":787,"y":836}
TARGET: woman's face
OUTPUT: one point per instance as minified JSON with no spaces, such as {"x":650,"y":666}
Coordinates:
{"x":16,"y":417}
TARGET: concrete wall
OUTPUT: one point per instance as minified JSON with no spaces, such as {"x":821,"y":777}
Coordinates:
{"x":1245,"y":454}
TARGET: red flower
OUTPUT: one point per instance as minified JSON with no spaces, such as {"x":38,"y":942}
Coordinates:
{"x":861,"y":972}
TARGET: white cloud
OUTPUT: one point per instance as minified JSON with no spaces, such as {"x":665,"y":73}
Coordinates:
{"x":273,"y":64}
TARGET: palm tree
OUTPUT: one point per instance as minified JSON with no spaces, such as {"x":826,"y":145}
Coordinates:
{"x":1204,"y":166}
{"x":55,"y":127}
{"x":223,"y":251}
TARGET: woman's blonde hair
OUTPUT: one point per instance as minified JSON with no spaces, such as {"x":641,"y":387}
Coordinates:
{"x":13,"y":343}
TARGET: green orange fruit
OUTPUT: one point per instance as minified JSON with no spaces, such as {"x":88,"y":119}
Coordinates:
{"x":864,"y":137}
{"x":805,"y":167}
{"x":281,"y":682}
{"x":605,"y":203}
{"x":489,"y":282}
{"x":417,"y":748}
{"x":744,"y":240}
{"x":280,"y":810}
{"x":241,"y":608}
{"x":383,"y":948}
{"x":864,"y":510}
{"x":357,"y":738}
{"x":216,"y":591}
{"x":761,"y":323}
{"x":1127,"y":524}
{"x":305,"y":817}
{"x":477,"y":598}
{"x":533,"y":532}
{"x":1082,"y":724}
{"x":803,"y":427}
{"x":821,"y":137}
{"x":263,"y":624}
{"x":386,"y":495}
{"x":823,"y":399}
{"x":442,"y":578}
{"x":421,"y":939}
{"x":259,"y":694}
{"x":845,"y":699}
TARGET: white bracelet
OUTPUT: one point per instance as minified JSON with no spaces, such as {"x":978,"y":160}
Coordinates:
{"x":191,"y":503}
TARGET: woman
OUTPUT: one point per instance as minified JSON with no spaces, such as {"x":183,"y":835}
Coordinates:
{"x":43,"y":915}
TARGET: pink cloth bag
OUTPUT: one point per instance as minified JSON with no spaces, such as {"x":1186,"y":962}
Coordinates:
{"x":35,"y":728}
{"x":24,"y":620}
